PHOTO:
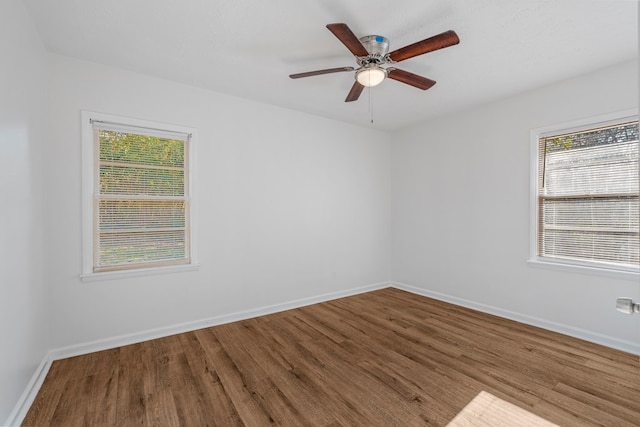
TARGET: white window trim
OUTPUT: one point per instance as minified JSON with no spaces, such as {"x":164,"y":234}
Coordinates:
{"x":557,"y":264}
{"x":88,"y":166}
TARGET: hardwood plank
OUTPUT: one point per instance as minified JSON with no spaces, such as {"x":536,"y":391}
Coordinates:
{"x":240,"y":387}
{"x":600,"y":403}
{"x":382,"y":358}
{"x":561,"y":407}
{"x":222,"y":412}
{"x":160,"y":407}
{"x":131,"y":397}
{"x":70,"y":411}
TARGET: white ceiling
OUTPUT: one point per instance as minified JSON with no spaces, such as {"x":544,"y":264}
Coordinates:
{"x":249,"y":47}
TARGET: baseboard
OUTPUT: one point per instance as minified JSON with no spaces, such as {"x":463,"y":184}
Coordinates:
{"x":29,"y":395}
{"x":627,"y":346}
{"x":118,"y":341}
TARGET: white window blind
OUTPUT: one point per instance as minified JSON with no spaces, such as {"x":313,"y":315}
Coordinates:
{"x":588,"y":196}
{"x":141,"y":197}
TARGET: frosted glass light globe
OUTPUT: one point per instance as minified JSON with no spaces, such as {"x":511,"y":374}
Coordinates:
{"x":371,"y":76}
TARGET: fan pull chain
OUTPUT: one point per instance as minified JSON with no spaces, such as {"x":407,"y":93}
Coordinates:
{"x":370,"y":105}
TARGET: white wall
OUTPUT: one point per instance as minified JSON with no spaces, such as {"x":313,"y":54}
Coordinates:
{"x":290,"y":206}
{"x":23,"y":323}
{"x":460,"y":196}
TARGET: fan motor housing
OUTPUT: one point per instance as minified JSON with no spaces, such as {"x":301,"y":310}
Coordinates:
{"x":377,"y":46}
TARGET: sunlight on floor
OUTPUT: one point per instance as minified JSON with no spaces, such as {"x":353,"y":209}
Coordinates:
{"x":488,"y":410}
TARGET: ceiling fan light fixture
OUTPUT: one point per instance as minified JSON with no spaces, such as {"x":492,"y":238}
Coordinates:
{"x":370,"y":76}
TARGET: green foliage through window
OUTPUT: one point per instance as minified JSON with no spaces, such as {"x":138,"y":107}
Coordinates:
{"x":592,"y":138}
{"x":142,"y":209}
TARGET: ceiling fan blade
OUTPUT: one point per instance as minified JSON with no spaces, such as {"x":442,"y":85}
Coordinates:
{"x":320,"y":72}
{"x":440,"y":41}
{"x":346,"y":36}
{"x":355,"y":92}
{"x":410,"y":78}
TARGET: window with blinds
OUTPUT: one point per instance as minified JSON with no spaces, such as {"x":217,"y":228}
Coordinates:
{"x":588,"y":196}
{"x":140,"y":197}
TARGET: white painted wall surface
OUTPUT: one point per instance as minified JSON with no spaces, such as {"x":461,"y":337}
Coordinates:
{"x":23,"y":314}
{"x":290,"y":205}
{"x":460,"y":197}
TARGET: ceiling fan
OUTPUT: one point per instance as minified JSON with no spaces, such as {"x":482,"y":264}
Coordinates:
{"x":372,"y":52}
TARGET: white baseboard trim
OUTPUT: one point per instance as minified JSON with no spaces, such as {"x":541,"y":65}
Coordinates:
{"x":137,"y":337}
{"x":627,"y":346}
{"x":28,"y":396}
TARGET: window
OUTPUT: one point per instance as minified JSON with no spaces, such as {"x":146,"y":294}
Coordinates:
{"x":587,"y":196}
{"x":138,"y":195}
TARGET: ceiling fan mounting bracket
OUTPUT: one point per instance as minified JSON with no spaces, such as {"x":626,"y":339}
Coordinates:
{"x":371,"y":59}
{"x":378,"y":49}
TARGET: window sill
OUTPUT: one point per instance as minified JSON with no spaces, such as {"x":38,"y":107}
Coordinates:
{"x":124,"y":274}
{"x":583,"y":269}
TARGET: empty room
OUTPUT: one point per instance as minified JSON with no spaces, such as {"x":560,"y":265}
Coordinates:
{"x":319,"y":213}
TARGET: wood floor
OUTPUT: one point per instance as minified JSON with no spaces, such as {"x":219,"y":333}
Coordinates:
{"x":384,"y":358}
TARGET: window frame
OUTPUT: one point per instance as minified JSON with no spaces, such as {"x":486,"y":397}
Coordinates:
{"x":563,"y":264}
{"x":89,"y":165}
